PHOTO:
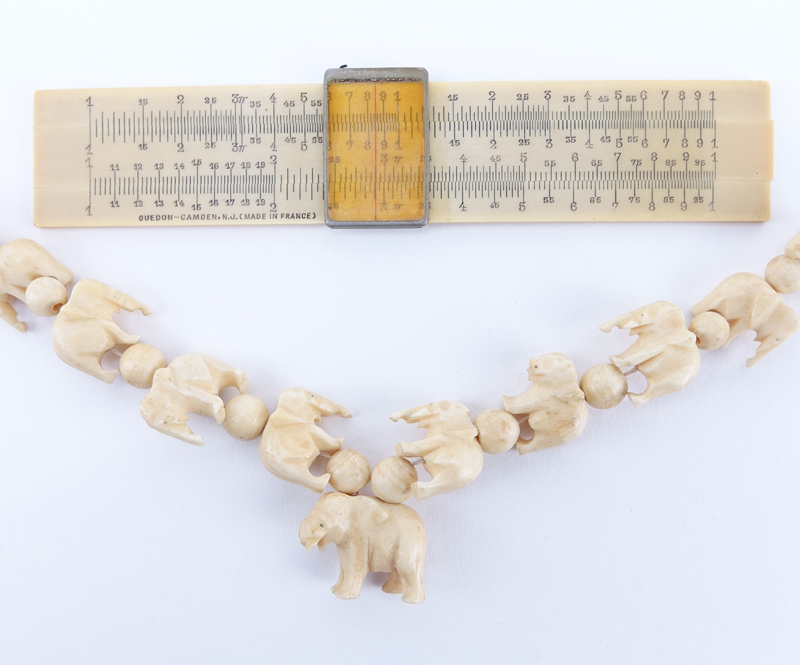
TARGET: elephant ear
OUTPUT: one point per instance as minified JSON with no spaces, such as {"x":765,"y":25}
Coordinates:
{"x":371,"y":513}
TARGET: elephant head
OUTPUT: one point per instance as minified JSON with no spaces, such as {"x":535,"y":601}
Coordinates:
{"x":552,"y":367}
{"x":337,"y":518}
{"x":661,"y":315}
{"x":308,"y":406}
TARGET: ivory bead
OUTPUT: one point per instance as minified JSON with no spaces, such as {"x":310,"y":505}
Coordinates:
{"x":349,"y":471}
{"x":604,"y":386}
{"x":450,"y":450}
{"x":748,"y":302}
{"x":392,"y":478}
{"x":245,"y":417}
{"x":783,"y":274}
{"x":711,"y":329}
{"x":139,"y":364}
{"x":498,"y":431}
{"x":665,"y":352}
{"x":46,"y":296}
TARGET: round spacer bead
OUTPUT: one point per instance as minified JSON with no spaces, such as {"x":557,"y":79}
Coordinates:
{"x":245,"y":417}
{"x":498,"y":431}
{"x":45,"y":296}
{"x":783,"y":274}
{"x":604,"y":386}
{"x":392,"y":478}
{"x":349,"y":471}
{"x":711,"y":329}
{"x":139,"y":364}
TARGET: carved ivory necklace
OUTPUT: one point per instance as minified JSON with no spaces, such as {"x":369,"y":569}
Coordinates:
{"x":380,"y":533}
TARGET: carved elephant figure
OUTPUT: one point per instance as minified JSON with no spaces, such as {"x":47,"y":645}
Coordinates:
{"x":370,"y":536}
{"x":22,"y":262}
{"x":748,"y":302}
{"x":665,"y":352}
{"x":556,"y":408}
{"x":84,"y":331}
{"x":292,"y":441}
{"x":189,"y":384}
{"x":450,"y":450}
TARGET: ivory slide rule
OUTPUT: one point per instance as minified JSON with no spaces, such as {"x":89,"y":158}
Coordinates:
{"x":499,"y":152}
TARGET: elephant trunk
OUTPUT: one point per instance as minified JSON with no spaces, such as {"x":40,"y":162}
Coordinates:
{"x":622,"y":322}
{"x":308,"y":537}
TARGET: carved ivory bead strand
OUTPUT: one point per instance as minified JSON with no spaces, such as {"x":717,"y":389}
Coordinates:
{"x":189,"y":384}
{"x":554,"y":404}
{"x":245,"y":417}
{"x":392,"y":479}
{"x":29,"y":273}
{"x":711,"y":329}
{"x":748,"y":302}
{"x":84,"y":331}
{"x":450,"y":450}
{"x":604,"y":386}
{"x":370,"y":536}
{"x":376,"y":534}
{"x":139,"y":364}
{"x":665,"y":352}
{"x":498,"y":431}
{"x":349,"y":471}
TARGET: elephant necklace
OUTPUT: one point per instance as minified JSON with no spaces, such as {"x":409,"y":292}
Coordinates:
{"x":379,"y":533}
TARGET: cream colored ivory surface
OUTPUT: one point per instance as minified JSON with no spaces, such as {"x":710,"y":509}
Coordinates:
{"x":665,"y":352}
{"x":292,"y":440}
{"x":23,"y":262}
{"x":189,"y":384}
{"x":554,"y":404}
{"x":370,"y":536}
{"x":450,"y":451}
{"x":84,"y":331}
{"x":500,"y":152}
{"x":377,"y":534}
{"x":748,"y":302}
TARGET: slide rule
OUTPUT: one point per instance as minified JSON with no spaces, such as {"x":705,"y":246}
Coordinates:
{"x":496,"y":152}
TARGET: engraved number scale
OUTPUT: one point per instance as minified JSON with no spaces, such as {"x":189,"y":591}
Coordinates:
{"x":528,"y":151}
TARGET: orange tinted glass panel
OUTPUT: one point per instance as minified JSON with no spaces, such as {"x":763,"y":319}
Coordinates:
{"x":376,"y":150}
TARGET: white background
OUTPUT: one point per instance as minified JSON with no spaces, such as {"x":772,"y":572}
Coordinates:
{"x":666,"y":534}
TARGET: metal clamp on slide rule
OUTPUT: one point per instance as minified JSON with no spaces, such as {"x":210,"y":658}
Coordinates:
{"x":376,"y":147}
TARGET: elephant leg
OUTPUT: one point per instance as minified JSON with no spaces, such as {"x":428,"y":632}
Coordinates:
{"x":205,"y":403}
{"x":296,"y":470}
{"x":353,"y":562}
{"x":771,"y":340}
{"x":444,"y":480}
{"x":117,"y":335}
{"x":415,"y":588}
{"x":325,"y":442}
{"x":394,"y":584}
{"x":421,"y":447}
{"x":227,"y":376}
{"x":9,"y":314}
{"x":155,"y":412}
